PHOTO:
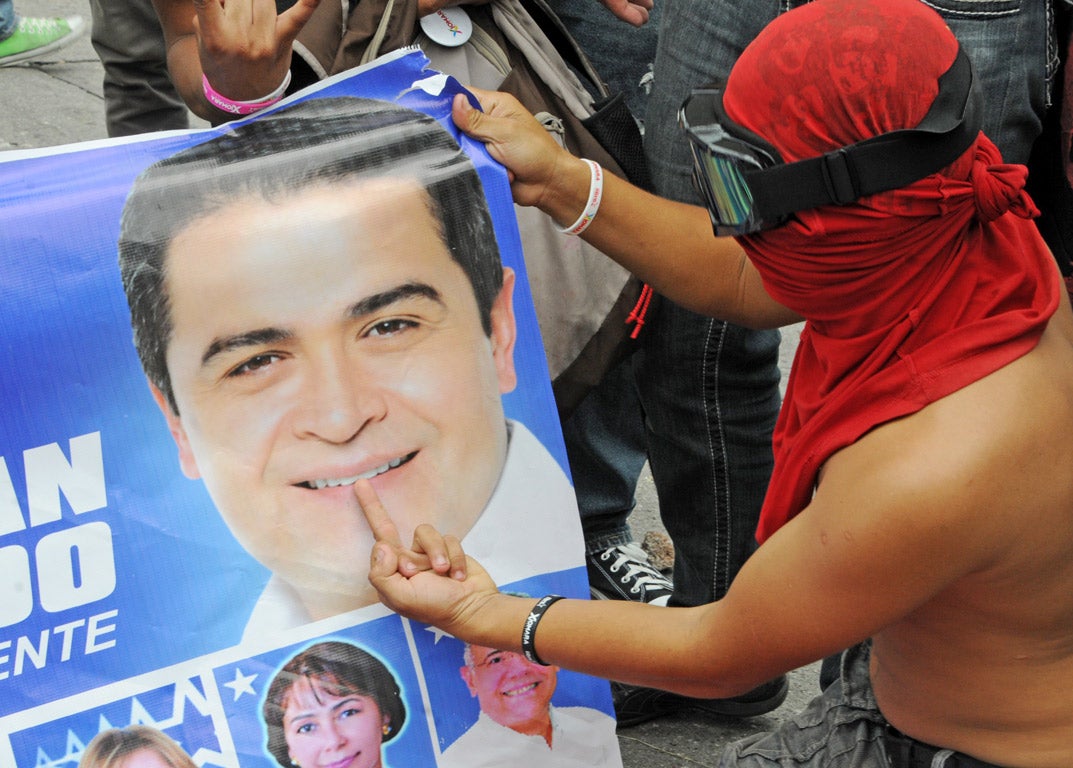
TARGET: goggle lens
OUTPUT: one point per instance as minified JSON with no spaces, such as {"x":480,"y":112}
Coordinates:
{"x":724,"y":187}
{"x":721,"y":164}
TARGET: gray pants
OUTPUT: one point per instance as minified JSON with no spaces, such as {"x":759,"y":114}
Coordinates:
{"x":138,"y":93}
{"x":840,"y":728}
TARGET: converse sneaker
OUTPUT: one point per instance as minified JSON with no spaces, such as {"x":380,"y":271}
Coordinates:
{"x":624,"y":573}
{"x":34,"y":37}
{"x":635,"y":704}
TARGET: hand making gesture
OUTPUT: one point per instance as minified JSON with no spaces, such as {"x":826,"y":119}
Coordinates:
{"x":432,"y":580}
{"x":245,"y":47}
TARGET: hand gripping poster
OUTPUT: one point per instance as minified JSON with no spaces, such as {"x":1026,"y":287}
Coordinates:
{"x":207,"y":337}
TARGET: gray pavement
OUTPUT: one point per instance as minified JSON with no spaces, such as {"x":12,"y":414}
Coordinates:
{"x":58,"y":100}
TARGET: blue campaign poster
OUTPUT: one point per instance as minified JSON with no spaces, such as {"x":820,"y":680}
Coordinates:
{"x":207,"y":337}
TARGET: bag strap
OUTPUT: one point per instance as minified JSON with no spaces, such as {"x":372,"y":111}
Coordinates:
{"x":566,"y":45}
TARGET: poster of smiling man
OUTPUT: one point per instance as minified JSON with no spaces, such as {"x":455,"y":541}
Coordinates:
{"x":328,"y":291}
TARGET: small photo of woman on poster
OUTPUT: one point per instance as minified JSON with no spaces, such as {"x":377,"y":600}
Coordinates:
{"x":333,"y":703}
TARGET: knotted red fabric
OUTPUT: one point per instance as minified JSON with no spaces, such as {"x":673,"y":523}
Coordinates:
{"x":908,"y":295}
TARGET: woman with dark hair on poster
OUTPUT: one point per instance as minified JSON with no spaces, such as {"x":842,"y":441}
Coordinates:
{"x":332,"y":701}
{"x":136,"y":746}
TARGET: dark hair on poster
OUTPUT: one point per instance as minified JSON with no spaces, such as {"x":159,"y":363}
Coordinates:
{"x":338,"y":669}
{"x":315,"y":142}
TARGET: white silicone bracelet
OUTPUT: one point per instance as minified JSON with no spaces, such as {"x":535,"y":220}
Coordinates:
{"x":592,"y":205}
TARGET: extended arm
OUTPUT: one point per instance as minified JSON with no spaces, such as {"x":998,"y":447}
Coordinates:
{"x":667,"y":244}
{"x":869,"y":551}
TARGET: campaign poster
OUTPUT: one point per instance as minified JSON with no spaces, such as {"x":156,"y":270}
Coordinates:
{"x":208,"y":336}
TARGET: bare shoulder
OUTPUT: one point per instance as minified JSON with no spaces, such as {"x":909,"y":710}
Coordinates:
{"x":979,"y":485}
{"x":960,"y":510}
{"x":980,"y":463}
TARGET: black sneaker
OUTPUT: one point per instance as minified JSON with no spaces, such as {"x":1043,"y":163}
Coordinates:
{"x":635,"y":705}
{"x":624,"y":573}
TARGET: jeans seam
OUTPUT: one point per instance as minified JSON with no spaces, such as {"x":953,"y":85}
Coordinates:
{"x":1009,"y":8}
{"x":718,"y":464}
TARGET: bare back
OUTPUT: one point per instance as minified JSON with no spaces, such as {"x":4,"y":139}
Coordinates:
{"x":986,"y":665}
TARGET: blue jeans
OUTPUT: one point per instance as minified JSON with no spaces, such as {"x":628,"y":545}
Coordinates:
{"x":605,"y":40}
{"x":698,"y":399}
{"x":7,"y":18}
{"x":1015,"y":54}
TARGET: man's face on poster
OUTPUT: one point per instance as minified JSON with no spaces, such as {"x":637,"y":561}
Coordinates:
{"x":513,"y":691}
{"x":324,"y":338}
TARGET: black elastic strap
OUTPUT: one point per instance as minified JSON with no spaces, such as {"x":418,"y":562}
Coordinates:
{"x":529,"y":628}
{"x":906,"y":752}
{"x":888,"y":161}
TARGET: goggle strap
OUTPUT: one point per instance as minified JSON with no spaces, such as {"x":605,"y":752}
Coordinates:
{"x":889,"y":161}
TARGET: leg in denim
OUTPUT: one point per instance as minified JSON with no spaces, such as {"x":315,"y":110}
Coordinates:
{"x":841,"y":728}
{"x":7,"y":18}
{"x":1014,"y":52}
{"x":605,"y":445}
{"x":709,"y":389}
{"x":604,"y":437}
{"x":711,"y":395}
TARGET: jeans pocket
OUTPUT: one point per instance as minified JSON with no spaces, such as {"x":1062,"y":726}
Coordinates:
{"x":975,"y":9}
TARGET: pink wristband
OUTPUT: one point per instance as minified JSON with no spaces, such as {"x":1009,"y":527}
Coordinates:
{"x":233,"y":107}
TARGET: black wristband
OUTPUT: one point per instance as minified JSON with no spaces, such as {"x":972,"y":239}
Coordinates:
{"x":529,"y":628}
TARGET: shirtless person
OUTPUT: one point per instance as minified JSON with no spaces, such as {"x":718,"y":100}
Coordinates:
{"x":923,"y":488}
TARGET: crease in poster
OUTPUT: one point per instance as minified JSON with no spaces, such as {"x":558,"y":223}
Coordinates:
{"x":208,"y":336}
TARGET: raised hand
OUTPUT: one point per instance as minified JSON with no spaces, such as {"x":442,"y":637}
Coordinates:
{"x":244,"y":46}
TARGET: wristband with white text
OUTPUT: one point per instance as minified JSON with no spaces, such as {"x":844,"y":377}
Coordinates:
{"x":234,"y":107}
{"x":529,"y":628}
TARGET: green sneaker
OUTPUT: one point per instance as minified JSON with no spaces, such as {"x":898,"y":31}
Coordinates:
{"x":34,"y":37}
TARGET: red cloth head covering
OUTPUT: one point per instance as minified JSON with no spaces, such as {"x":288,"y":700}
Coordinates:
{"x":909,"y":295}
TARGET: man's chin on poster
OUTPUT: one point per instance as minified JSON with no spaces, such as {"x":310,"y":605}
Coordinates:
{"x":318,"y":297}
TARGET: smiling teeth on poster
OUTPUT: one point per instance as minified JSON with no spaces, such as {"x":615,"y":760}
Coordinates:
{"x":208,"y":336}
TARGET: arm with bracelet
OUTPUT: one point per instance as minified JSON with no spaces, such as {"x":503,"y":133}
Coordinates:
{"x":231,"y":60}
{"x":665,"y":243}
{"x":918,"y":510}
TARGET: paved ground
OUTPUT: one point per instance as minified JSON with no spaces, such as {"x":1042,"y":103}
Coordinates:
{"x":57,"y":100}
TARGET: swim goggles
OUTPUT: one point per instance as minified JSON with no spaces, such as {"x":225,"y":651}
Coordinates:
{"x":747,"y":186}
